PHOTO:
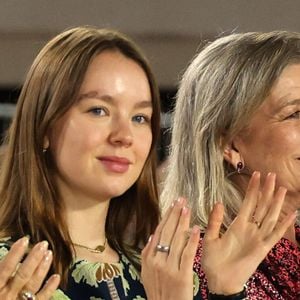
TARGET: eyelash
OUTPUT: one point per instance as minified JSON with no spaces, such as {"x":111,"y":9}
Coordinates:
{"x":100,"y":111}
{"x":146,"y":119}
{"x":295,"y":115}
{"x":97,"y":111}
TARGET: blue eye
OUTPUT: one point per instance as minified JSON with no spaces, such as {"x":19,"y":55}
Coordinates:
{"x":97,"y":111}
{"x":141,"y":119}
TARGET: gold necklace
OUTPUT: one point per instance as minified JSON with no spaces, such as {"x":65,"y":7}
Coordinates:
{"x":97,"y":249}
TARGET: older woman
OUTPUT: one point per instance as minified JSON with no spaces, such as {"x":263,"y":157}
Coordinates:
{"x":238,"y":111}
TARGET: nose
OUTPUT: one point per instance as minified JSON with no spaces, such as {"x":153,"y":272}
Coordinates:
{"x":121,"y":134}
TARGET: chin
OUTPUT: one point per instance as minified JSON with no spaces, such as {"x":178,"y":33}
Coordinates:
{"x":117,"y":192}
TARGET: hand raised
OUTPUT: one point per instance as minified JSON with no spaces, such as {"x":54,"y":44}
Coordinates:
{"x":229,"y":260}
{"x":17,"y":279}
{"x":167,"y":273}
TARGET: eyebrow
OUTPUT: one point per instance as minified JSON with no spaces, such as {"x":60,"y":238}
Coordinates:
{"x":111,"y":100}
{"x":289,"y":103}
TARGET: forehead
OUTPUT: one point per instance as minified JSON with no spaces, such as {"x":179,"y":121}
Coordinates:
{"x":286,"y":89}
{"x":111,"y":70}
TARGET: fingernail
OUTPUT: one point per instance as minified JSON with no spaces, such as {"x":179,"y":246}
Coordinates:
{"x":185,"y":210}
{"x":271,"y":174}
{"x":150,"y":238}
{"x":53,"y":277}
{"x":179,"y":201}
{"x":25,"y":241}
{"x":43,"y":245}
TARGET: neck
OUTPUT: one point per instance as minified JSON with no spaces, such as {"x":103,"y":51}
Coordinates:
{"x":85,"y":218}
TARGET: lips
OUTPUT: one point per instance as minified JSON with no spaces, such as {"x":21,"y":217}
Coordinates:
{"x":115,"y":164}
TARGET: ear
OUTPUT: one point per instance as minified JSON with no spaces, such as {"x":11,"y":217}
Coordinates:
{"x":232,"y":155}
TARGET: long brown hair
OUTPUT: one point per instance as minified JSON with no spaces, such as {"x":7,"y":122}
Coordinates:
{"x":29,"y":200}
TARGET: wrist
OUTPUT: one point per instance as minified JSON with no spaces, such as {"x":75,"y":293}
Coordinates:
{"x":221,"y":287}
{"x":241,"y":295}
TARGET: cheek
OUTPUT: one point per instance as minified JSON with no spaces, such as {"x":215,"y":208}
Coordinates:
{"x":272,"y":149}
{"x":144,"y":145}
{"x":75,"y":140}
{"x":264,"y":142}
{"x":283,"y":143}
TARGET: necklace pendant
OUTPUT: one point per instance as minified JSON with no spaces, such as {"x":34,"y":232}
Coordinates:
{"x":100,"y":248}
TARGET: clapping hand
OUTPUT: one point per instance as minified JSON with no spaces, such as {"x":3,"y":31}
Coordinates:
{"x":24,"y":280}
{"x":229,"y":260}
{"x":167,"y":259}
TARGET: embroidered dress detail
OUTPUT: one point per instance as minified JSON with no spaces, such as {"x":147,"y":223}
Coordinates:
{"x":107,"y":271}
{"x":112,"y":290}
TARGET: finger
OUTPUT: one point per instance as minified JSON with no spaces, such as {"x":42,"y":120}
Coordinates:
{"x":37,"y":279}
{"x":180,"y":238}
{"x":28,"y":266}
{"x":265,"y":200}
{"x":49,"y":288}
{"x":214,"y":223}
{"x":10,"y":262}
{"x":146,"y":252}
{"x":170,"y":226}
{"x":251,"y":197}
{"x":165,"y":217}
{"x":154,"y":240}
{"x":280,"y":230}
{"x":190,"y":250}
{"x":272,"y":215}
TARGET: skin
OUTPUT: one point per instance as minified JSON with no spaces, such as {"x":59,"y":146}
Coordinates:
{"x":276,"y":147}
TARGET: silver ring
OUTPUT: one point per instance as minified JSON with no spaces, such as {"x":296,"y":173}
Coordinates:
{"x":26,"y":295}
{"x":161,"y":248}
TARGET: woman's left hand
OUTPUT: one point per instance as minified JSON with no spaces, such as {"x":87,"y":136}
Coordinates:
{"x":229,"y":260}
{"x":167,"y":259}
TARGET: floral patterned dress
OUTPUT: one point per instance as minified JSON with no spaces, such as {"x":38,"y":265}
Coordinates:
{"x":101,"y":281}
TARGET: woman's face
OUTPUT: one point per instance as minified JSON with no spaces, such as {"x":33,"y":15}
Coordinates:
{"x":272,"y":141}
{"x":101,"y":144}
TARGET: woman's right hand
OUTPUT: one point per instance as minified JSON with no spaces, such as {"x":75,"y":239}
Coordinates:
{"x":28,"y":276}
{"x":168,"y":273}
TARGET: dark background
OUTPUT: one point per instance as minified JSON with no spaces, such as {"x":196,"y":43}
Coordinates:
{"x":168,"y":31}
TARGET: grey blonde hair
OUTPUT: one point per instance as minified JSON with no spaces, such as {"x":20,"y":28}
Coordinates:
{"x":219,"y":92}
